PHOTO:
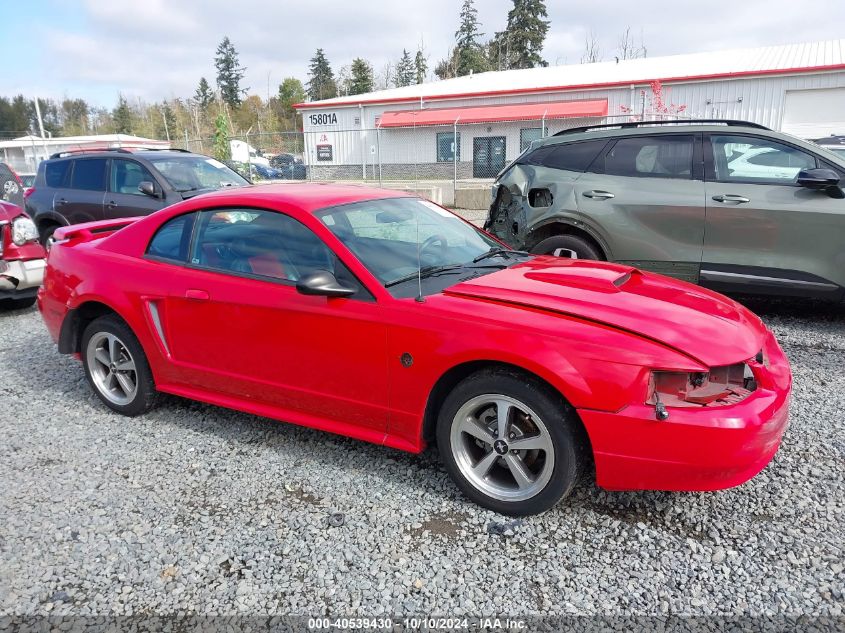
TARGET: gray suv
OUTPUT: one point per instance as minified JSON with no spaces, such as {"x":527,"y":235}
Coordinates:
{"x":84,"y":186}
{"x":730,"y":205}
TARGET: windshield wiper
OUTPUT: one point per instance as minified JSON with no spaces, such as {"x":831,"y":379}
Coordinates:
{"x":496,"y":251}
{"x":424,"y":273}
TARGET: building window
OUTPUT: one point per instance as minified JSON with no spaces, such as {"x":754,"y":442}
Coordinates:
{"x":446,"y":146}
{"x":527,"y":135}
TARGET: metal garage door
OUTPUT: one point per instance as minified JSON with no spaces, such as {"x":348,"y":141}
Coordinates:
{"x":814,"y":113}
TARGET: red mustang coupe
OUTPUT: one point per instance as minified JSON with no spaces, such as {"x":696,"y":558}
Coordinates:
{"x":386,"y":318}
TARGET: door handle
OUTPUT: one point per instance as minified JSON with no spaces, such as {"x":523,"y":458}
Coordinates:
{"x":111,"y":204}
{"x":729,"y":197}
{"x":598,"y":195}
{"x":61,"y":201}
{"x":196,"y":295}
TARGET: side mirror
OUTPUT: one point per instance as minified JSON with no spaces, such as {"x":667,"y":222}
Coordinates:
{"x":322,"y":283}
{"x":148,"y":188}
{"x":820,"y":178}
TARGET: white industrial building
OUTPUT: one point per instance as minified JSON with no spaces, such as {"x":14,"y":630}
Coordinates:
{"x":797,"y":88}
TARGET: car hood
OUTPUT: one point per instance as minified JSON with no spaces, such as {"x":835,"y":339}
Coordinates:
{"x":9,"y":211}
{"x":696,"y":322}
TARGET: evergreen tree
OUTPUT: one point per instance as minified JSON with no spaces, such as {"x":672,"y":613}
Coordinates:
{"x":167,"y":128}
{"x":362,"y":77}
{"x":15,"y":115}
{"x":420,"y":67}
{"x":405,"y":70}
{"x":122,"y":116}
{"x":291,"y":92}
{"x":204,"y":96}
{"x":229,"y":73}
{"x":222,"y":148}
{"x":468,"y":49}
{"x":525,"y":34}
{"x":73,"y":114}
{"x":321,"y":84}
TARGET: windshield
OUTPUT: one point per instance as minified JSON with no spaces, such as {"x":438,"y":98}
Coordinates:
{"x":395,"y":237}
{"x":190,"y":173}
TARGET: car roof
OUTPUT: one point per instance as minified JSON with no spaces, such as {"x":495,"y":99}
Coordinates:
{"x":681,"y":127}
{"x":308,"y":197}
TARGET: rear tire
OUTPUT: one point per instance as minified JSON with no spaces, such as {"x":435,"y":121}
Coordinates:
{"x":116,"y":366}
{"x":570,"y":246}
{"x":510,"y":443}
{"x":17,"y":304}
{"x":46,"y":236}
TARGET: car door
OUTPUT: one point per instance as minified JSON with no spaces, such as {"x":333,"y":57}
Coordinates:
{"x":644,"y":195}
{"x":764,"y":232}
{"x":236,"y":324}
{"x":82,"y":200}
{"x":124,"y":199}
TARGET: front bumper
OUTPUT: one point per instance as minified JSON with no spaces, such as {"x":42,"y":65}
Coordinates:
{"x":20,"y":278}
{"x":695,"y":449}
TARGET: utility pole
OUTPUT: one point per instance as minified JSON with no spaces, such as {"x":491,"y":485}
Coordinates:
{"x":41,"y":128}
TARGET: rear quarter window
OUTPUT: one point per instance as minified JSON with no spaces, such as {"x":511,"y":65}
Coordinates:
{"x":568,"y":156}
{"x":55,"y":173}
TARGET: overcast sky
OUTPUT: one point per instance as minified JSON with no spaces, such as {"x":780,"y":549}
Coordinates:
{"x":157,"y":49}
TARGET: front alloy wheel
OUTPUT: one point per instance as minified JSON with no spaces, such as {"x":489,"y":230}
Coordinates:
{"x":502,"y":447}
{"x":510,"y":442}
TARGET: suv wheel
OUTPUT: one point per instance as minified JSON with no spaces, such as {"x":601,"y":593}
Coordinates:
{"x":569,"y":246}
{"x":46,"y":236}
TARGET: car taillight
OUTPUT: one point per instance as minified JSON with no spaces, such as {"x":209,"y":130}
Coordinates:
{"x":718,"y":387}
{"x":28,"y":192}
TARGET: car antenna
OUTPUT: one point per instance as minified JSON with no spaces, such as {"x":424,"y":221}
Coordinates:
{"x":420,"y":298}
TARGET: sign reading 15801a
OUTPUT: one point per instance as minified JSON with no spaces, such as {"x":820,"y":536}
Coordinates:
{"x":330,"y":118}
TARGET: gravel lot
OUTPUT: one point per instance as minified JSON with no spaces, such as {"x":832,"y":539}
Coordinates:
{"x":196,"y":509}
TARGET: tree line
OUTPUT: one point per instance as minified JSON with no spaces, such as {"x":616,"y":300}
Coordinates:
{"x":227,"y":108}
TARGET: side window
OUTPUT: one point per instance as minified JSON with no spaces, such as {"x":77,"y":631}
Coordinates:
{"x":528,"y":135}
{"x":261,"y":243}
{"x":756,"y":159}
{"x":55,"y":173}
{"x":447,"y":144}
{"x":663,"y":156}
{"x":126,"y":175}
{"x":89,"y":174}
{"x":574,"y":156}
{"x":173,"y":238}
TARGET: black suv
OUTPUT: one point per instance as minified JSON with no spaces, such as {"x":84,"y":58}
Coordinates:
{"x":85,"y":186}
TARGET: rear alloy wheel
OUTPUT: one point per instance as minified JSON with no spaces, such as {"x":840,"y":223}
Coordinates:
{"x":116,"y":366}
{"x":569,"y":246}
{"x":509,"y":443}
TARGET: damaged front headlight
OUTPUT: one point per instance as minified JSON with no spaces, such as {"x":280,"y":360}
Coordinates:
{"x":718,"y":387}
{"x":23,"y":231}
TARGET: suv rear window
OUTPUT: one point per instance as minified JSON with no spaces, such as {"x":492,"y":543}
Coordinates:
{"x":568,"y":156}
{"x":55,"y":172}
{"x":89,"y":174}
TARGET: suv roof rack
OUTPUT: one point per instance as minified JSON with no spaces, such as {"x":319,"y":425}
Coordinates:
{"x":635,"y":124}
{"x":122,"y":150}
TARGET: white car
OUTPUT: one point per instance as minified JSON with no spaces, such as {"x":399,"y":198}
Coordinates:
{"x":767,"y":162}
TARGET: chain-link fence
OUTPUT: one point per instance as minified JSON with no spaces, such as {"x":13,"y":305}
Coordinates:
{"x":451,"y":164}
{"x":437,"y":161}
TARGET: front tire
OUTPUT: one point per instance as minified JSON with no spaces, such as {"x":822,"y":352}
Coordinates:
{"x":17,"y":304}
{"x":116,"y":366}
{"x":569,"y":246}
{"x":510,"y":443}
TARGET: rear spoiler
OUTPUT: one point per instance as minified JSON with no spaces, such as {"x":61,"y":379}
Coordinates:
{"x":92,"y":230}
